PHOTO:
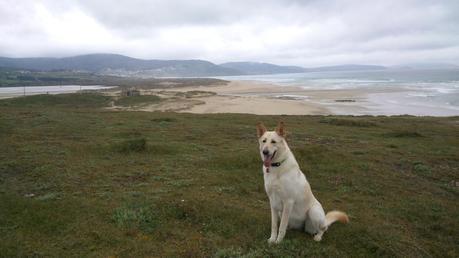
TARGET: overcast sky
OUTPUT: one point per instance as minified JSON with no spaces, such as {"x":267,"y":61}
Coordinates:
{"x":306,"y":33}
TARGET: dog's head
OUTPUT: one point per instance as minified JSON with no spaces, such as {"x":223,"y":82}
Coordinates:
{"x":272,"y":143}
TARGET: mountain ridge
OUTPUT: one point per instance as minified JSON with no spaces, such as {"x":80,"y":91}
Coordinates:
{"x":114,"y":63}
{"x":262,"y":68}
{"x":120,"y":65}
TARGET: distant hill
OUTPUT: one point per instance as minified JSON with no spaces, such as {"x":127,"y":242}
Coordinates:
{"x":346,"y":67}
{"x":253,"y":68}
{"x":262,"y":68}
{"x":119,"y":65}
{"x":429,"y":66}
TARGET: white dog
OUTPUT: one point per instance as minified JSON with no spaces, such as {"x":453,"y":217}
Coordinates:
{"x":289,"y":193}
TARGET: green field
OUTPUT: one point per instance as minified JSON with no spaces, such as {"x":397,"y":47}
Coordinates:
{"x":18,"y":78}
{"x":80,"y":181}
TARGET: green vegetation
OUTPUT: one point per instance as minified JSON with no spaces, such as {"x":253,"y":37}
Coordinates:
{"x":77,"y":180}
{"x":82,"y":100}
{"x":347,"y":121}
{"x":12,"y":77}
{"x":133,"y":145}
{"x":198,"y":93}
{"x":137,"y":100}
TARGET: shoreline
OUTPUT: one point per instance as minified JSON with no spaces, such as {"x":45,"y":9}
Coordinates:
{"x":250,"y":97}
{"x":263,"y":98}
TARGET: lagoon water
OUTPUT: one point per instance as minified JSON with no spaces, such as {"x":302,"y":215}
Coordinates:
{"x":399,"y":91}
{"x":10,"y":92}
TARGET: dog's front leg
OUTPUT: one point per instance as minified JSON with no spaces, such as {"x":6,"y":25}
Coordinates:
{"x":274,"y":223}
{"x":288,"y":205}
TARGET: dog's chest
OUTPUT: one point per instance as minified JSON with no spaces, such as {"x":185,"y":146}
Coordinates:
{"x":274,"y":186}
{"x":275,"y":191}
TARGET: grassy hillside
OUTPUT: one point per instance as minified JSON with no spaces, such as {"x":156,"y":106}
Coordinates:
{"x":78,"y":181}
{"x":18,"y":78}
{"x":119,"y":64}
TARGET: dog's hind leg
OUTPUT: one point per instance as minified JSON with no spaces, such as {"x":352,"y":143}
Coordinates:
{"x":315,"y":223}
{"x":318,"y":236}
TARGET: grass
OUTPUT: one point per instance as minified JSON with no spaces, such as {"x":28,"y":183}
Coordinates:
{"x":405,"y":133}
{"x":131,"y":145}
{"x":78,"y":181}
{"x":81,"y":100}
{"x":137,"y":100}
{"x":18,"y":77}
{"x":136,"y":219}
{"x":354,"y":121}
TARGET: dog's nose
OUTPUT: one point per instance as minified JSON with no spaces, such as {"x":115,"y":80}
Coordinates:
{"x":265,"y":152}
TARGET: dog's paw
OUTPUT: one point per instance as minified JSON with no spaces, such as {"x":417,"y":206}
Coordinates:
{"x":272,"y":240}
{"x":317,"y":237}
{"x":278,"y":241}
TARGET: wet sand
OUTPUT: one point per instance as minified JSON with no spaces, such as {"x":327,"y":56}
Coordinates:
{"x":264,"y":99}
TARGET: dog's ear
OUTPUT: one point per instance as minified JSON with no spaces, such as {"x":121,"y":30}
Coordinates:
{"x":261,"y":129}
{"x":280,"y":129}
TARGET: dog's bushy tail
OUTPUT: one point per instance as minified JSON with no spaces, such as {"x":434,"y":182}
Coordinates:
{"x":333,"y":216}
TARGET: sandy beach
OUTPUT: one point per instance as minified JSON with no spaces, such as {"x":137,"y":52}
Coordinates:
{"x":262,"y":98}
{"x":251,"y":97}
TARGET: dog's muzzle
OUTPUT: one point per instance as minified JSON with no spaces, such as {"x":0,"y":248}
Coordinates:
{"x":268,"y":158}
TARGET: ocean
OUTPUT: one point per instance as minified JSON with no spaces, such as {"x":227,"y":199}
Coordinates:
{"x":399,"y":91}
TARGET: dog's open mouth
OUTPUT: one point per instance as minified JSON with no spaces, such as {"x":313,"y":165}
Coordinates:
{"x":268,"y":160}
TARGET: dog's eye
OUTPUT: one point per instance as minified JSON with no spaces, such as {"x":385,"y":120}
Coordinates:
{"x":273,"y":141}
{"x":264,"y":140}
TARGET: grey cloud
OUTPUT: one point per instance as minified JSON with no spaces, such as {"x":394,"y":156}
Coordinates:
{"x":285,"y":31}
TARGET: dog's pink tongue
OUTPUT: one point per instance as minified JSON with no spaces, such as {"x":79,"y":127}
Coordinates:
{"x":267,"y":162}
